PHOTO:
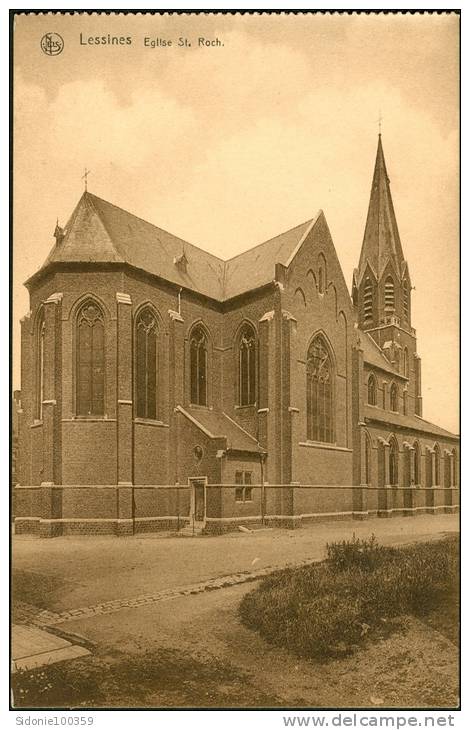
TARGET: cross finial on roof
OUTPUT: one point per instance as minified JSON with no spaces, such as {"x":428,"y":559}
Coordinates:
{"x":85,"y":177}
{"x":379,"y":122}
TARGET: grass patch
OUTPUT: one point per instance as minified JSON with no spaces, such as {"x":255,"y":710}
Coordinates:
{"x":35,"y":588}
{"x":157,"y":678}
{"x":328,"y":609}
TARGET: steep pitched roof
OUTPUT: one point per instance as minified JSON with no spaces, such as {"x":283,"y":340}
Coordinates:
{"x":216,"y":424}
{"x":381,"y":242}
{"x":373,"y":355}
{"x":411,"y":422}
{"x":86,"y":237}
{"x":101,"y":232}
{"x":255,"y":267}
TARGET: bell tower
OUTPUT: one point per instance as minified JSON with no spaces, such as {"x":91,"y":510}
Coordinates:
{"x":381,"y":289}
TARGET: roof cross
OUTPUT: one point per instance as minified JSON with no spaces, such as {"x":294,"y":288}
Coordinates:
{"x":379,"y":121}
{"x":85,"y":177}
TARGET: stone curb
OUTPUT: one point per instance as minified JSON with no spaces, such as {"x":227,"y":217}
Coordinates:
{"x":48,"y":618}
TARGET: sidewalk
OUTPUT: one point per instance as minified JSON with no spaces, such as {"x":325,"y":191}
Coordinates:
{"x":32,"y":647}
{"x":85,"y":571}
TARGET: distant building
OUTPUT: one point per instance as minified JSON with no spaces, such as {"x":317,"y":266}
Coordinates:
{"x":163,"y":386}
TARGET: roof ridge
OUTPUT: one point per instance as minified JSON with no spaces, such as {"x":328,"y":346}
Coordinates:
{"x":144,"y":220}
{"x":87,"y":195}
{"x":268,"y":240}
{"x":240,"y":427}
{"x":195,"y":421}
{"x":378,"y":348}
{"x":309,"y":225}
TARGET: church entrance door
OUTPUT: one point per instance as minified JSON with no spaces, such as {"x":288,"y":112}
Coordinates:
{"x":198,"y":500}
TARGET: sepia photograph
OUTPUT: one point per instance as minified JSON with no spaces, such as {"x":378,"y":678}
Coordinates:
{"x":235,"y":384}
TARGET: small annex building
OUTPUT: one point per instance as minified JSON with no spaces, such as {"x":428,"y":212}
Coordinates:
{"x":163,"y":387}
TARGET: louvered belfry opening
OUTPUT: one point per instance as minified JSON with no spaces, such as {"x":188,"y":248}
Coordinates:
{"x":389,"y":295}
{"x":368,"y":313}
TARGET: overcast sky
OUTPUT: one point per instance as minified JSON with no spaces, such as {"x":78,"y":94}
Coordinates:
{"x":230,"y":145}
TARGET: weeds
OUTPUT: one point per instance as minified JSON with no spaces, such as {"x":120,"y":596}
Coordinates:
{"x":327,"y":610}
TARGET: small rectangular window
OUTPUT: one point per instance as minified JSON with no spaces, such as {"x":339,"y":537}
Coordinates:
{"x":243,"y":494}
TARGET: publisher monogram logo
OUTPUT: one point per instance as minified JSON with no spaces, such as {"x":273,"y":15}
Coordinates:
{"x":52,"y":44}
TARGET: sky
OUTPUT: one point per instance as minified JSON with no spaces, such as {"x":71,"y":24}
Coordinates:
{"x":228,"y":145}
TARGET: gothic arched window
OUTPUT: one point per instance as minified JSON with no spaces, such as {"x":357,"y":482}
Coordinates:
{"x":393,"y":463}
{"x":368,"y":315}
{"x":247,"y":366}
{"x":389,"y":295}
{"x":320,"y":426}
{"x":146,"y":364}
{"x":90,"y":360}
{"x":406,"y":363}
{"x":198,"y":366}
{"x":394,"y":397}
{"x":372,"y":391}
{"x":406,"y":302}
{"x":417,"y":462}
{"x":40,"y":339}
{"x":437,"y":465}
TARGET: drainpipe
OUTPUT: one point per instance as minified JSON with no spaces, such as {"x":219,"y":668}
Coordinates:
{"x":263,"y":495}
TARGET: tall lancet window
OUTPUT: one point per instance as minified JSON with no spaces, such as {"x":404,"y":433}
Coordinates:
{"x":406,"y":302}
{"x":389,"y":295}
{"x":320,"y":426}
{"x":406,"y":363}
{"x":90,"y":360}
{"x":198,"y":366}
{"x":394,"y":398}
{"x":393,"y":462}
{"x":367,"y":301}
{"x":417,"y":462}
{"x":247,"y":366}
{"x":146,"y":364}
{"x":437,"y":465}
{"x":40,"y":339}
{"x":372,"y":390}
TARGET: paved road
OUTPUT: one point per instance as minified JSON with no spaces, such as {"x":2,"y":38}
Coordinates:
{"x":86,"y":571}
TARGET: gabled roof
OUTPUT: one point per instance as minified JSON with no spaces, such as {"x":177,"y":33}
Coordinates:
{"x":381,"y":242}
{"x":255,"y":267}
{"x":101,"y":232}
{"x":216,"y":424}
{"x":374,"y":356}
{"x":411,"y":422}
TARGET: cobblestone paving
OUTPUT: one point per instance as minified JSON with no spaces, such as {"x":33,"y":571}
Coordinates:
{"x":49,"y":618}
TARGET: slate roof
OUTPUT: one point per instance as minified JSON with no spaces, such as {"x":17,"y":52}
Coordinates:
{"x":411,"y":422}
{"x":216,"y":424}
{"x":373,"y":355}
{"x":381,"y":238}
{"x":100,"y":232}
{"x":255,"y":267}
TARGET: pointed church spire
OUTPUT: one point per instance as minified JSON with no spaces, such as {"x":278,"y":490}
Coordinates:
{"x":381,"y":242}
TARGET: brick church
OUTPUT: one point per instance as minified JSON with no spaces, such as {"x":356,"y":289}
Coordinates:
{"x":164,"y":388}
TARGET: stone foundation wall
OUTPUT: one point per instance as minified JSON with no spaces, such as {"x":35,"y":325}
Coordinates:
{"x":51,"y":511}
